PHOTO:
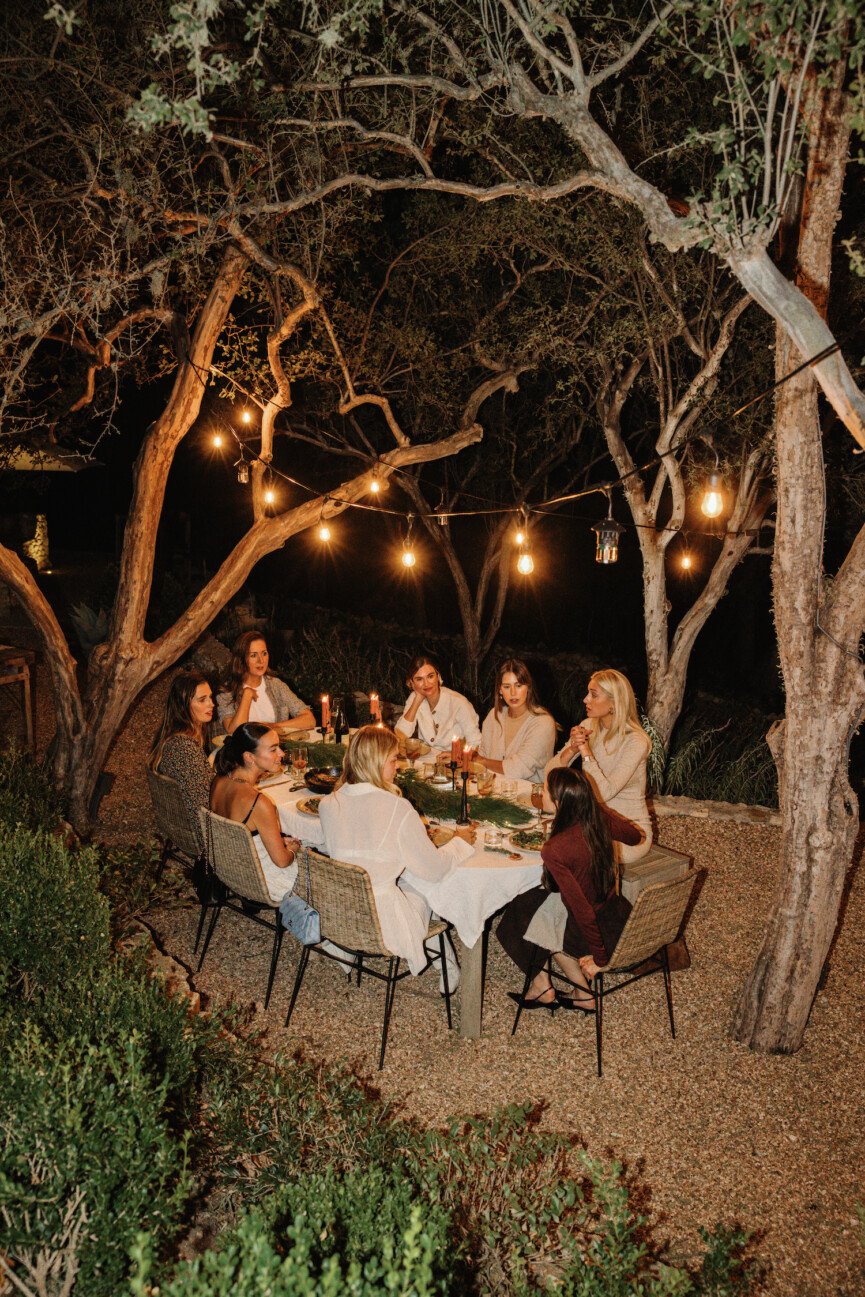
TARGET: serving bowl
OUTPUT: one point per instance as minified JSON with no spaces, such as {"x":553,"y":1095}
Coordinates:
{"x":322,"y":780}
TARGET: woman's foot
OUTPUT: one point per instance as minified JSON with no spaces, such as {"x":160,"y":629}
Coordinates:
{"x":547,"y":999}
{"x":582,"y":1003}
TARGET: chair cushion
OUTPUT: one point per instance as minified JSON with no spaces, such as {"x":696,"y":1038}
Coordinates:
{"x":660,"y":864}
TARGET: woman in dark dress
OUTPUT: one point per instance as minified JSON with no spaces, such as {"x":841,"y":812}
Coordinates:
{"x":183,"y":741}
{"x":578,"y":863}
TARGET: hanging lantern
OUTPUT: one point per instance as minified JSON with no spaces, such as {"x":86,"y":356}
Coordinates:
{"x":525,"y":562}
{"x":408,"y":554}
{"x":242,"y":471}
{"x":269,"y":495}
{"x":713,"y":496}
{"x":607,"y":533}
{"x":324,"y":532}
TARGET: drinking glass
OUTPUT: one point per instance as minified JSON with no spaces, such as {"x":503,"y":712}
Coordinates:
{"x":412,"y":750}
{"x":538,"y":801}
{"x":486,"y":782}
{"x":299,"y":758}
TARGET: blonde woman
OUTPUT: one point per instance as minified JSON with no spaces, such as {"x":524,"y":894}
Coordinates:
{"x":366,"y":821}
{"x":614,"y":748}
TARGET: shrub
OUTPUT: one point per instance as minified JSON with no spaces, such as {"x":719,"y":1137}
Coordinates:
{"x":27,"y":794}
{"x":53,"y":922}
{"x":84,"y":1131}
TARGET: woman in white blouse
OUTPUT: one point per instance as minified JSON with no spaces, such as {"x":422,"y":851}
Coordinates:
{"x":518,"y":736}
{"x":614,"y":748}
{"x":435,"y":713}
{"x":366,"y":821}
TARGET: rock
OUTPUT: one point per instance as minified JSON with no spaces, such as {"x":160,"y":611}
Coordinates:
{"x":174,"y":975}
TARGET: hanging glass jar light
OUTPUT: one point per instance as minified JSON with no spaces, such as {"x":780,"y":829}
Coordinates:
{"x":607,"y":536}
{"x":242,"y":467}
{"x":408,"y":554}
{"x":712,"y":503}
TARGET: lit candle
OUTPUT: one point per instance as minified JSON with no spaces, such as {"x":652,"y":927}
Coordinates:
{"x":325,"y":710}
{"x":456,"y":746}
{"x":467,"y":756}
{"x":375,"y":707}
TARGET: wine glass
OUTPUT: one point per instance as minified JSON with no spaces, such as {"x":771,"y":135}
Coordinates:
{"x":299,"y":757}
{"x":412,"y":750}
{"x":538,"y":801}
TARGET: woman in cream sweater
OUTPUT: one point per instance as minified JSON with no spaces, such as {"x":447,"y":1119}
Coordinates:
{"x":614,"y":748}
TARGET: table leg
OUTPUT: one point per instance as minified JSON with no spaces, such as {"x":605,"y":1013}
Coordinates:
{"x":472,"y":990}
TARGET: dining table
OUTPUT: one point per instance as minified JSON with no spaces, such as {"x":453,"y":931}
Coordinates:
{"x":468,"y":896}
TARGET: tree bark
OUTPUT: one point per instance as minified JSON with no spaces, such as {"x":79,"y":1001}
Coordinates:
{"x":819,"y":624}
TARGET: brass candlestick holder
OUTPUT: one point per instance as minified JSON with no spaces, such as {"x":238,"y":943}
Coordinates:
{"x":464,"y":801}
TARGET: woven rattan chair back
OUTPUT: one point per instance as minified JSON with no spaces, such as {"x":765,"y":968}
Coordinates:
{"x":654,"y":922}
{"x":233,"y":857}
{"x":172,"y":817}
{"x":343,"y":895}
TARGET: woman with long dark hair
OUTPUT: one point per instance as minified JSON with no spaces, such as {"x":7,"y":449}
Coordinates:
{"x":579,"y":863}
{"x":434,"y":712}
{"x":253,"y":693}
{"x":249,"y":754}
{"x":518,"y":734}
{"x":182,"y":742}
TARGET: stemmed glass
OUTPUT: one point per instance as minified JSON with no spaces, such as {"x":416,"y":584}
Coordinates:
{"x":538,"y":801}
{"x":412,"y":750}
{"x":299,"y":758}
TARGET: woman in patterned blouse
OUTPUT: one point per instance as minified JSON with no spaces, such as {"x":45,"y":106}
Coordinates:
{"x":181,"y":745}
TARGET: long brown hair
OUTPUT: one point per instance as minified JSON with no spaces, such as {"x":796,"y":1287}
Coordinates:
{"x":524,"y":677}
{"x":575,"y":803}
{"x":178,"y":714}
{"x":237,"y":669}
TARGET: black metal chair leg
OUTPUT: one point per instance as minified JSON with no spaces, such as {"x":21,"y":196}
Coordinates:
{"x":668,"y":987}
{"x":390,"y":993}
{"x":445,"y":979}
{"x":204,"y":908}
{"x":167,"y":850}
{"x":598,"y":993}
{"x":301,"y":969}
{"x":274,"y":959}
{"x":217,"y":910}
{"x":359,"y":969}
{"x":526,"y":984}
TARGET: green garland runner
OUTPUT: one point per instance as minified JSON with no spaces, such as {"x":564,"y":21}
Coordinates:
{"x":444,"y":804}
{"x":319,"y":755}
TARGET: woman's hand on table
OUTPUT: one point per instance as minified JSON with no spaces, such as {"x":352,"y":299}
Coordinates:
{"x":468,"y":833}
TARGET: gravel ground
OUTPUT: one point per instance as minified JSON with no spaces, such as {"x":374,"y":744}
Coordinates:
{"x":715,"y":1132}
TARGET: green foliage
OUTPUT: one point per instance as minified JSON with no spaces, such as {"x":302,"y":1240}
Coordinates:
{"x":27,"y":794}
{"x":319,"y":755}
{"x":84,"y":1126}
{"x":721,"y":763}
{"x":444,"y":803}
{"x":53,"y":922}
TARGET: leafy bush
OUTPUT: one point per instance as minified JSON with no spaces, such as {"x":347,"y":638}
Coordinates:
{"x":27,"y":794}
{"x":84,"y":1128}
{"x":723,"y":764}
{"x":53,"y":922}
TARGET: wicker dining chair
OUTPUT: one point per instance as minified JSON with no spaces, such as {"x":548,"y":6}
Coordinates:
{"x":658,"y":918}
{"x":180,"y":840}
{"x":343,"y":895}
{"x":234,"y":860}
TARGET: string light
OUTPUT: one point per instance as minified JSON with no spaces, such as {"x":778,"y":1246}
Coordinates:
{"x":269,"y":495}
{"x":712,"y":503}
{"x":218,"y":441}
{"x":522,"y":533}
{"x":525,"y":562}
{"x":607,"y":532}
{"x":377,"y":482}
{"x":246,"y":417}
{"x":408,"y":554}
{"x":324,"y":532}
{"x":686,"y":561}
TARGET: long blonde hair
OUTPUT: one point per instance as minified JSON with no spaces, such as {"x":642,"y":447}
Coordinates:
{"x":368,"y":749}
{"x":624,"y":719}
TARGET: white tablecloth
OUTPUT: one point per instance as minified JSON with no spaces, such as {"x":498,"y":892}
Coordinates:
{"x":472,"y":892}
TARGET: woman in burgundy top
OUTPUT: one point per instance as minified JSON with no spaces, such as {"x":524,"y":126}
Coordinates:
{"x":578,"y":862}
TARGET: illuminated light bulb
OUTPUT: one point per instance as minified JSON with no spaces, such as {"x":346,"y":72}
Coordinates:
{"x":218,"y":440}
{"x":269,"y":495}
{"x":408,"y":558}
{"x":687,"y":562}
{"x":713,"y":497}
{"x":525,"y":563}
{"x":520,"y":538}
{"x":375,"y":486}
{"x":246,"y":417}
{"x":324,"y":532}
